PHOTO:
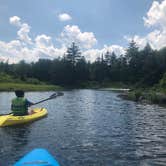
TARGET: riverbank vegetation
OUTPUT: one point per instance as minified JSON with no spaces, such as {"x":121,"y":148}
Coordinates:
{"x":28,"y":87}
{"x":11,"y":83}
{"x":142,"y":69}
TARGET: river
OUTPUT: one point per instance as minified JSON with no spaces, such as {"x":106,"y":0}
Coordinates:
{"x":88,"y":128}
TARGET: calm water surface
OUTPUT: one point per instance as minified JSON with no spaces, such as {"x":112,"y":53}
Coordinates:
{"x":89,"y":128}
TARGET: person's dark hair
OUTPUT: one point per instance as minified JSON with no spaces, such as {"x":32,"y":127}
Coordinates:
{"x":19,"y":93}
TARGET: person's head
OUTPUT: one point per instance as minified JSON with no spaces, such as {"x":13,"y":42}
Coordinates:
{"x":19,"y":93}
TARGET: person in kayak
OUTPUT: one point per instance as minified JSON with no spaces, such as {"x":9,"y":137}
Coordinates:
{"x":20,"y":104}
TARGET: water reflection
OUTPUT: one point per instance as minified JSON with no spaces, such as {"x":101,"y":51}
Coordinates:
{"x":13,"y":140}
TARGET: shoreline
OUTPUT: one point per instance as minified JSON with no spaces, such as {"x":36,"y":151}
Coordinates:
{"x":115,"y":89}
{"x":11,"y":86}
{"x":146,"y":97}
{"x":8,"y":87}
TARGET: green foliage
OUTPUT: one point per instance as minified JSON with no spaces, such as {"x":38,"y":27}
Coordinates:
{"x":163,"y":82}
{"x":7,"y":78}
{"x":33,"y":81}
{"x":135,"y":95}
{"x":73,"y":54}
{"x":27,"y":87}
{"x":142,"y":68}
{"x":153,"y":97}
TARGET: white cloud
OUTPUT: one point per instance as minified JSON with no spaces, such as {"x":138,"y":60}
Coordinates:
{"x":73,"y":34}
{"x":43,"y":41}
{"x":93,"y":54}
{"x":155,"y":18}
{"x":45,"y":47}
{"x":156,"y":14}
{"x":15,"y":51}
{"x":25,"y":48}
{"x":64,"y":17}
{"x":15,"y":20}
{"x":140,"y":41}
{"x":118,"y":50}
{"x":23,"y":33}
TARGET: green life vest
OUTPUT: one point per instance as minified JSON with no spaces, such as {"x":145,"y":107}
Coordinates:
{"x":19,"y":106}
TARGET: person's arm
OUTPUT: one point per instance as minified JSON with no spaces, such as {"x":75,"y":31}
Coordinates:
{"x":29,"y":103}
{"x":11,"y":105}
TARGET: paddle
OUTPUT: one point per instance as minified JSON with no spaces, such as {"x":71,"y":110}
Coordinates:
{"x":53,"y":96}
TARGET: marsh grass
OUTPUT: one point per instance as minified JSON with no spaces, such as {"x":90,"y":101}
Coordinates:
{"x":27,"y":87}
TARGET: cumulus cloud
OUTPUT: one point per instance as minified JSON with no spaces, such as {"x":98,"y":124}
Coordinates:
{"x":73,"y":34}
{"x":43,"y":41}
{"x":118,"y":50}
{"x":42,"y":46}
{"x":93,"y":54}
{"x":64,"y":17}
{"x":15,"y":20}
{"x":156,"y":38}
{"x":156,"y":14}
{"x":14,"y":51}
{"x":23,"y":32}
{"x":155,"y":18}
{"x":23,"y":48}
{"x":46,"y":49}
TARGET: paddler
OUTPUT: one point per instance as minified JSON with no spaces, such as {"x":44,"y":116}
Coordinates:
{"x":20,"y":104}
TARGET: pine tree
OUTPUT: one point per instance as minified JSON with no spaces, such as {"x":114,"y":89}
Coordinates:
{"x":107,"y":58}
{"x":132,"y":51}
{"x":73,"y":54}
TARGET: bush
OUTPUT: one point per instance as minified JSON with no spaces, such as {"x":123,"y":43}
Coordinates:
{"x":33,"y":81}
{"x":163,"y":81}
{"x":7,"y":78}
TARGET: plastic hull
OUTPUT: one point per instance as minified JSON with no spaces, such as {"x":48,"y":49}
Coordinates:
{"x":10,"y":120}
{"x":37,"y":157}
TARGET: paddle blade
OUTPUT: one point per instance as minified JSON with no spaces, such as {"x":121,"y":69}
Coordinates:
{"x":56,"y":95}
{"x":60,"y":93}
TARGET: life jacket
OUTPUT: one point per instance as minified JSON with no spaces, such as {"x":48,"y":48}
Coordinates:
{"x":19,"y":106}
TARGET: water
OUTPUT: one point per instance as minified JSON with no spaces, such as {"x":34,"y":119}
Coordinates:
{"x":89,"y":128}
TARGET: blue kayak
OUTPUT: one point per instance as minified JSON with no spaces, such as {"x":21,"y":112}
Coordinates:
{"x":37,"y":157}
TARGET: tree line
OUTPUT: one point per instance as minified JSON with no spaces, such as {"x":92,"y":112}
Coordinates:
{"x":144,"y":67}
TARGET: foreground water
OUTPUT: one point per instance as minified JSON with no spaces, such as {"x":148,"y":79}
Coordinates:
{"x":89,"y":128}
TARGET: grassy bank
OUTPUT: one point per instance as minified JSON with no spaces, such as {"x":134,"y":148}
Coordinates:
{"x":146,"y":96}
{"x":28,"y":87}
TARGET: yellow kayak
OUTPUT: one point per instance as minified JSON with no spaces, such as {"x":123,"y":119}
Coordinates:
{"x":9,"y":120}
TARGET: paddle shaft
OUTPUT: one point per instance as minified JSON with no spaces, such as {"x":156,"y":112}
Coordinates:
{"x":53,"y":96}
{"x":42,"y":101}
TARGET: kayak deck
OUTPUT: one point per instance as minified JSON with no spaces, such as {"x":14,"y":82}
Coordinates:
{"x":9,"y":120}
{"x":37,"y":157}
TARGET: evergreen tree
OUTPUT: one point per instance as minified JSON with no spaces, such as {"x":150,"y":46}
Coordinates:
{"x":107,"y":58}
{"x":113,"y":59}
{"x":73,"y":54}
{"x":133,"y":56}
{"x":132,"y":51}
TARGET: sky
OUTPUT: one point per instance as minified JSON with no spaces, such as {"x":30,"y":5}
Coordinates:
{"x":33,"y":29}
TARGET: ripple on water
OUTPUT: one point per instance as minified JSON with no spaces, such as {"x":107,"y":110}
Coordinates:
{"x":88,"y":127}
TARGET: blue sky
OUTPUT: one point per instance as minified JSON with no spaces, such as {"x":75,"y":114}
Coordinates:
{"x":107,"y":22}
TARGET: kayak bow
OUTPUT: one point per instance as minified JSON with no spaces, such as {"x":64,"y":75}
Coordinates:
{"x":37,"y":157}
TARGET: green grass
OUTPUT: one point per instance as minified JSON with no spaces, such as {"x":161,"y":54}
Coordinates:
{"x":27,"y":87}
